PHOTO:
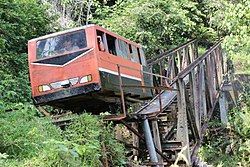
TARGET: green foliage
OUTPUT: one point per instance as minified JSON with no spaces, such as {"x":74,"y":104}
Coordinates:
{"x":22,"y":134}
{"x":94,"y":140}
{"x":13,"y":89}
{"x":230,"y":145}
{"x":157,"y":25}
{"x":27,"y":140}
{"x":74,"y":12}
{"x":237,"y":43}
{"x":20,"y":20}
{"x":230,"y":20}
{"x":85,"y":133}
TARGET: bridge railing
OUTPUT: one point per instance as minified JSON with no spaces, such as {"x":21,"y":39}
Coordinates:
{"x":172,"y":62}
{"x":199,"y":81}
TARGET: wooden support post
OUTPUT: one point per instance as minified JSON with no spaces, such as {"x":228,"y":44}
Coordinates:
{"x":105,"y":160}
{"x":216,"y":72}
{"x":212,"y":70}
{"x":203,"y":91}
{"x":218,"y":65}
{"x":44,"y":111}
{"x":182,"y":124}
{"x":156,"y":138}
{"x":173,"y":72}
{"x":209,"y":80}
{"x":134,"y":125}
{"x":191,"y":52}
{"x":196,"y":49}
{"x":168,"y":73}
{"x":189,"y":59}
{"x":161,"y":71}
{"x":135,"y":139}
{"x":179,"y":56}
{"x":195,"y":100}
{"x":184,"y":58}
{"x":223,"y":112}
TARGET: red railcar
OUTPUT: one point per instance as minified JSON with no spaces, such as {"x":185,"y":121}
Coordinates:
{"x":77,"y":69}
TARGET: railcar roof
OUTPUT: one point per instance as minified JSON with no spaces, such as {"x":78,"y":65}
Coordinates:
{"x":76,"y":29}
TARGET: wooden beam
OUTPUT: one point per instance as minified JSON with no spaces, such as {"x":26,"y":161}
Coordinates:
{"x":156,"y":138}
{"x":182,"y":124}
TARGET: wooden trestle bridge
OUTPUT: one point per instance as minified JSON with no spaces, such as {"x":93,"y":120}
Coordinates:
{"x":173,"y":123}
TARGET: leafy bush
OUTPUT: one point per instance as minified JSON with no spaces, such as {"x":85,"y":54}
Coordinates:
{"x":27,"y":140}
{"x":157,"y":25}
{"x":93,"y":141}
{"x":231,"y":20}
{"x":20,"y":21}
{"x":230,"y":145}
{"x":22,"y":134}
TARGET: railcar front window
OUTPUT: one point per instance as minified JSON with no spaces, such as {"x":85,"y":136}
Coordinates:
{"x":61,"y":44}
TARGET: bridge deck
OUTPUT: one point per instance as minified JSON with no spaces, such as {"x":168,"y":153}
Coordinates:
{"x":167,"y":97}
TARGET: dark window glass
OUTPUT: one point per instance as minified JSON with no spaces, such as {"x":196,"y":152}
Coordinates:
{"x":112,"y":44}
{"x":143,"y":60}
{"x":61,"y":44}
{"x":124,"y":49}
{"x":101,"y":41}
{"x":141,"y":57}
{"x":133,"y":53}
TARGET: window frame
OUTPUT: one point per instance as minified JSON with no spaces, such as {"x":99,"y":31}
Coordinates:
{"x":56,"y":51}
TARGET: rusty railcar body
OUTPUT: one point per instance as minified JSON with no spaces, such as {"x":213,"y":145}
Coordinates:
{"x":78,"y":69}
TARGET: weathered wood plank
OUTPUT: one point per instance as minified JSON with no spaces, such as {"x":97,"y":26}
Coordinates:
{"x":223,"y":111}
{"x":203,"y":91}
{"x":195,"y":100}
{"x":156,"y":138}
{"x":182,"y":125}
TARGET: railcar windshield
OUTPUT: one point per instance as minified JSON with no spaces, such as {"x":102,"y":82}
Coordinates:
{"x":61,"y":44}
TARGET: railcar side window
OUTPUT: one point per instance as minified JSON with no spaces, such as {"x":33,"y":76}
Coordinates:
{"x":141,"y":57}
{"x":112,"y":44}
{"x":101,"y":41}
{"x":124,"y":49}
{"x":61,"y":44}
{"x":132,"y":50}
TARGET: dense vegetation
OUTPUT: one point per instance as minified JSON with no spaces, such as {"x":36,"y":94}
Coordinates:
{"x":229,"y":145}
{"x":26,"y":139}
